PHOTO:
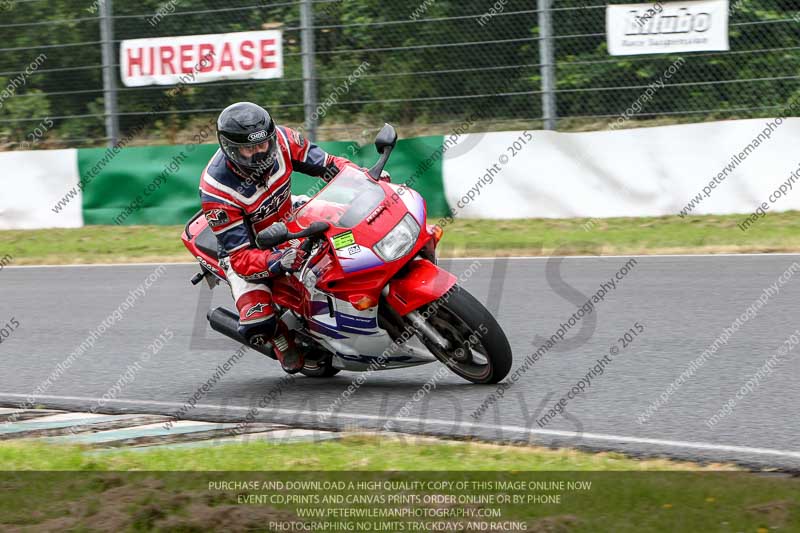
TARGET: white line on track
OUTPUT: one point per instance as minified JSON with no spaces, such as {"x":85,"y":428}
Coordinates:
{"x":618,"y":439}
{"x":515,"y":258}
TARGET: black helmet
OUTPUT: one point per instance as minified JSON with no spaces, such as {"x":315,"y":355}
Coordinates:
{"x":247,"y":136}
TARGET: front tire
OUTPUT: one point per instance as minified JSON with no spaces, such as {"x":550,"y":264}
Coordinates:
{"x":479,"y":351}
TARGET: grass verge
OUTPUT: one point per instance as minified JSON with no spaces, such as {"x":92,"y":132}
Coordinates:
{"x":346,"y":454}
{"x":105,"y":491}
{"x":778,"y":232}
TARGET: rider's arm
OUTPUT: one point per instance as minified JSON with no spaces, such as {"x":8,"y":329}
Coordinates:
{"x":310,"y":159}
{"x":228,"y":224}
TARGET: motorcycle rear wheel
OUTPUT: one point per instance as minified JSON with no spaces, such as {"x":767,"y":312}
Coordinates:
{"x":479,"y":351}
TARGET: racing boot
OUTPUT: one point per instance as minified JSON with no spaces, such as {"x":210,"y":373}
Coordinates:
{"x":290,"y":357}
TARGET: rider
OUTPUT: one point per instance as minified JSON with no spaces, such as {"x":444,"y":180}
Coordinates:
{"x":245,"y":188}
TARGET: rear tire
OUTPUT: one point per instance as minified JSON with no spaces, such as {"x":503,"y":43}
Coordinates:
{"x":471,"y":331}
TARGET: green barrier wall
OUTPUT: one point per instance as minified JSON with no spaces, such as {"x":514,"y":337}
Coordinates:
{"x":159,"y":184}
{"x":114,"y":193}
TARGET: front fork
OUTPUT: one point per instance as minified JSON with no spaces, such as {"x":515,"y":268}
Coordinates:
{"x":425,"y":329}
{"x":420,"y":284}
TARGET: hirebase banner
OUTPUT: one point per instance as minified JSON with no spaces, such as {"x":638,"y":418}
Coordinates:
{"x":665,"y":28}
{"x":201,"y":58}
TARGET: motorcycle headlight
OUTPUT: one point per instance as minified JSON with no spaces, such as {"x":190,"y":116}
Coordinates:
{"x":400,"y":240}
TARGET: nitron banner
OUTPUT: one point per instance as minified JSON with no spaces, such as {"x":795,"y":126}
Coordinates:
{"x":665,"y":28}
{"x":201,"y":58}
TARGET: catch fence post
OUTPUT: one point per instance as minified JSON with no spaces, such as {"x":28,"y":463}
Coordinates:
{"x":548,"y":64}
{"x":309,"y":76}
{"x":109,"y":79}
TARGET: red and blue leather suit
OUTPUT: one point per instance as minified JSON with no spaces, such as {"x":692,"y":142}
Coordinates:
{"x":238,"y":207}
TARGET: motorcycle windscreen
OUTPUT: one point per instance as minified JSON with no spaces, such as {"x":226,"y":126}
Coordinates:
{"x":346,"y":201}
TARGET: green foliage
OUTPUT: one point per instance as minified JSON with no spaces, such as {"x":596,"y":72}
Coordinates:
{"x":443,"y":63}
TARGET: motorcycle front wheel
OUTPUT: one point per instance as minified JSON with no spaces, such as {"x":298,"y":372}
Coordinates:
{"x":478,"y":349}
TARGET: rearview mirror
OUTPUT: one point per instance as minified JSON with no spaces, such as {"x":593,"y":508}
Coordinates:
{"x":271,"y":237}
{"x":387,"y":138}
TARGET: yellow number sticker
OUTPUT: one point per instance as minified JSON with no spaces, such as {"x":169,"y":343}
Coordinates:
{"x":343,"y":240}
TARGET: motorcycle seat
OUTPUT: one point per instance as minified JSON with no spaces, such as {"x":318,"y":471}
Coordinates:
{"x":207,"y":242}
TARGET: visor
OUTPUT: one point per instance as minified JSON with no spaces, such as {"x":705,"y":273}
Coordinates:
{"x":258,"y":155}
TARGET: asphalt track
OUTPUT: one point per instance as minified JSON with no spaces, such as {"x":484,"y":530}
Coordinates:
{"x":684,"y":303}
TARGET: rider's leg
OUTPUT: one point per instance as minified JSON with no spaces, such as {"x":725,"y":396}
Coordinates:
{"x":257,"y":321}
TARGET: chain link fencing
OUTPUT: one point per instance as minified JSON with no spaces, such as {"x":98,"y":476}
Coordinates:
{"x":425,"y":66}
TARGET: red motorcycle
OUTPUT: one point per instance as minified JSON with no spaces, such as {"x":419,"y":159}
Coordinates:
{"x":370,"y":295}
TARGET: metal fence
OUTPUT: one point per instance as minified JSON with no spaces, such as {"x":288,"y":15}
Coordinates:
{"x":350,"y":65}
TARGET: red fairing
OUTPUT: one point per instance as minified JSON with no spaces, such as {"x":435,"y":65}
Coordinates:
{"x":288,"y":292}
{"x":195,"y":228}
{"x":422,"y":283}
